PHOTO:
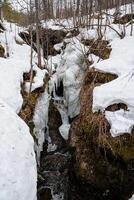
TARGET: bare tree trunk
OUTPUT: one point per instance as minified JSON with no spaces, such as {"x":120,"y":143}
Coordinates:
{"x":31,"y":63}
{"x":38,"y":32}
{"x":1,"y":11}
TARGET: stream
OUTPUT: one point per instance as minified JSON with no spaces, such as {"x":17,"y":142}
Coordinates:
{"x":55,"y":158}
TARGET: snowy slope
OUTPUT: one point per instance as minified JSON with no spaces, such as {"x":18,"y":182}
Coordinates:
{"x":18,"y":166}
{"x":120,"y":90}
{"x":18,"y":173}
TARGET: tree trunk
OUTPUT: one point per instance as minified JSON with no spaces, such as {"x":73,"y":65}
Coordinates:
{"x":38,"y":32}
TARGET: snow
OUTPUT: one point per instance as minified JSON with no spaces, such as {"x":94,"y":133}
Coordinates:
{"x":18,"y":166}
{"x":12,"y":69}
{"x":38,"y":80}
{"x":121,"y":121}
{"x":120,"y":90}
{"x":121,"y":60}
{"x":64,"y":131}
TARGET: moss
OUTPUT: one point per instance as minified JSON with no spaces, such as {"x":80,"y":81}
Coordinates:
{"x":96,"y":127}
{"x":100,"y":48}
{"x":101,"y":162}
{"x":94,"y":76}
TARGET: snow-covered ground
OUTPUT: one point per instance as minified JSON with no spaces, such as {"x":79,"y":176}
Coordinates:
{"x":18,"y":174}
{"x":120,"y":90}
{"x":18,"y":165}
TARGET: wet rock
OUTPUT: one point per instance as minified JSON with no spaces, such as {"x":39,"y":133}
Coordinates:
{"x":44,"y":194}
{"x":54,"y":122}
{"x":2,"y":51}
{"x":58,"y":182}
{"x":55,"y":162}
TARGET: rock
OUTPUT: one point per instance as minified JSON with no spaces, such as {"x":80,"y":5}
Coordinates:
{"x":94,"y":76}
{"x":48,"y":38}
{"x":55,"y":162}
{"x":98,"y":47}
{"x":54,"y":122}
{"x":2,"y":51}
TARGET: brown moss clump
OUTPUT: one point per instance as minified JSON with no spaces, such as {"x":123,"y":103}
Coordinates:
{"x":124,"y":19}
{"x":94,"y":76}
{"x":100,"y":48}
{"x":97,"y":129}
{"x":118,"y":106}
{"x":87,"y":42}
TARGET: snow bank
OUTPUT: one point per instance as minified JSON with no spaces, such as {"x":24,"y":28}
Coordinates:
{"x":120,"y":90}
{"x":18,"y":166}
{"x":18,"y":173}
